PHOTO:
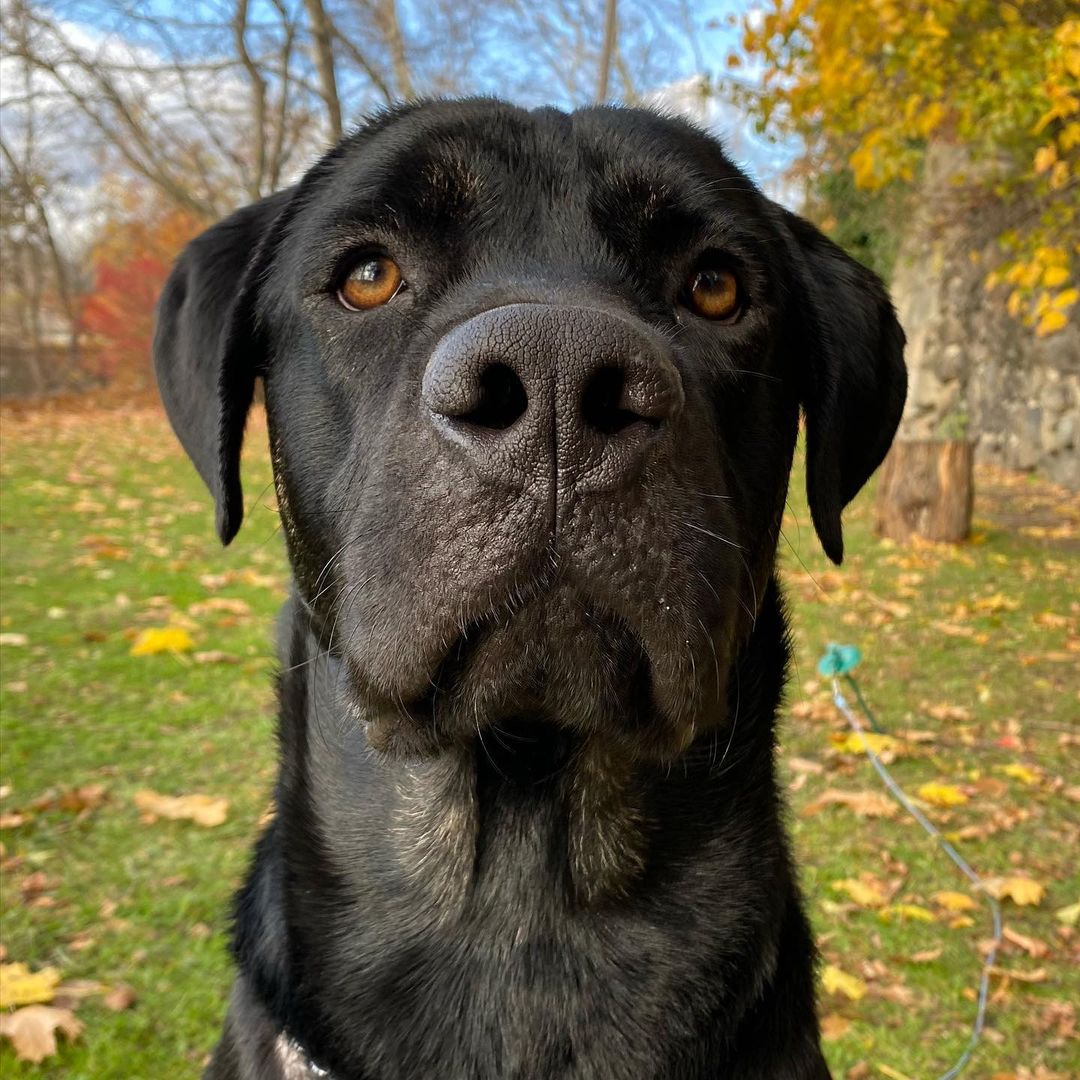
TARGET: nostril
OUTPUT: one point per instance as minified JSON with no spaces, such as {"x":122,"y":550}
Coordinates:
{"x":501,"y":399}
{"x":603,"y":405}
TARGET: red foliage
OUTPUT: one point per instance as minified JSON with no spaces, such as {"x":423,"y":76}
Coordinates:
{"x":131,"y":261}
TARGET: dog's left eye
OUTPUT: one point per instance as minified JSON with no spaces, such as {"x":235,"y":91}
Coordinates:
{"x":374,"y":281}
{"x":714,"y":293}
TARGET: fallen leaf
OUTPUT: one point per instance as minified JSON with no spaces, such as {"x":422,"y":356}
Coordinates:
{"x":804,"y":766}
{"x":1035,"y":948}
{"x":205,"y":810}
{"x":856,"y":742}
{"x":942,"y":794}
{"x":1019,"y":772}
{"x":1037,"y":976}
{"x":154,"y":640}
{"x":32,"y":1030}
{"x":954,"y":901}
{"x":864,"y":893}
{"x":992,"y":605}
{"x":906,"y":913}
{"x":925,"y":956}
{"x":834,"y":1026}
{"x":20,"y":986}
{"x":215,"y":656}
{"x":1069,"y":915}
{"x":119,"y":998}
{"x":1020,"y":890}
{"x":891,"y":1073}
{"x":947,"y":713}
{"x":871,"y":804}
{"x":18,"y":640}
{"x":835,"y":981}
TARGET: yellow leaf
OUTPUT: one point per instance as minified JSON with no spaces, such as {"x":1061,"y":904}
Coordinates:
{"x":991,"y":605}
{"x":961,"y":922}
{"x":172,"y":639}
{"x":1066,"y":299}
{"x":1051,"y":322}
{"x":1045,"y":157}
{"x":954,"y":901}
{"x":1070,"y":915}
{"x":891,"y":1073}
{"x":906,"y":913}
{"x":942,"y":795}
{"x":20,"y":986}
{"x":1020,"y":890}
{"x":32,"y":1030}
{"x":1019,"y":772}
{"x":865,"y":894}
{"x":835,"y":981}
{"x":860,"y":742}
{"x":1053,"y":276}
{"x":204,"y":810}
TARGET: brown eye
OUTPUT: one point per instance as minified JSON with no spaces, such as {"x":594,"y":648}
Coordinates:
{"x":714,"y":294}
{"x":374,"y":281}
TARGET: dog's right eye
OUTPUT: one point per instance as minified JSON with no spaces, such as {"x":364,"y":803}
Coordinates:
{"x":374,"y":281}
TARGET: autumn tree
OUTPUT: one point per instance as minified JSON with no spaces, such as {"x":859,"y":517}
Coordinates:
{"x":973,"y":106}
{"x":130,"y":261}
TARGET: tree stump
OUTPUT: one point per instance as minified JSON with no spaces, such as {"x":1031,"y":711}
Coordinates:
{"x":926,"y":488}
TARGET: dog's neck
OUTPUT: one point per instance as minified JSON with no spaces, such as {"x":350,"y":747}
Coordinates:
{"x":452,"y":817}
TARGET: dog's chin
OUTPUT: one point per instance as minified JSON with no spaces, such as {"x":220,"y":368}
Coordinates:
{"x":556,"y":660}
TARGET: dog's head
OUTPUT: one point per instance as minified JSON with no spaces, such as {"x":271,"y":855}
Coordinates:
{"x":533,"y":384}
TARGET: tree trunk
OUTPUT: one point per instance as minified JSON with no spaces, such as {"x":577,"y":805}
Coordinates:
{"x":926,"y":488}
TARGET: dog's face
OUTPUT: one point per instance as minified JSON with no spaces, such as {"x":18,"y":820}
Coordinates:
{"x":533,"y":384}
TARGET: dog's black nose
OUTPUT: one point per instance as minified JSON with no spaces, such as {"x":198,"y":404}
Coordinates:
{"x":532,"y":389}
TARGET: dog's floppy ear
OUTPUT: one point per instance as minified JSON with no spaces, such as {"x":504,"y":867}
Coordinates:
{"x":208,"y":348}
{"x":853,"y":381}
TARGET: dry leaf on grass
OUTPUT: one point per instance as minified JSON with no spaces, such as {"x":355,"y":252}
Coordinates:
{"x":156,"y":639}
{"x":834,"y":1026}
{"x":954,"y":901}
{"x":1020,"y":890}
{"x":835,"y":981}
{"x":32,"y":1030}
{"x":942,"y":794}
{"x":21,"y":986}
{"x":205,"y":810}
{"x":884,"y":746}
{"x":871,"y":804}
{"x":868,"y":894}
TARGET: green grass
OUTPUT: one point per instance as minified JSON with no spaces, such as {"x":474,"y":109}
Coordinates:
{"x":106,"y":530}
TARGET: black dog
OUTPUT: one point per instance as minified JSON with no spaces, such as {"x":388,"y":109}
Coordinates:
{"x":533,"y":384}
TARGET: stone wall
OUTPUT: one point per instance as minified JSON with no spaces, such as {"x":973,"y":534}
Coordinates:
{"x":974,"y":370}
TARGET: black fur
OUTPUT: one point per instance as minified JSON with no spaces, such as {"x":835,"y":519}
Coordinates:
{"x":527,"y":819}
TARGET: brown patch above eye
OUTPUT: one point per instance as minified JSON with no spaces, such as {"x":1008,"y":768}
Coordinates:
{"x":374,"y":281}
{"x":714,"y":294}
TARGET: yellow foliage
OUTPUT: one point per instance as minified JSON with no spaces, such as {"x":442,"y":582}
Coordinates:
{"x":1020,"y":890}
{"x":869,"y":85}
{"x":954,"y":901}
{"x":172,"y":639}
{"x":21,"y":986}
{"x":835,"y":981}
{"x":864,"y":893}
{"x":906,"y":913}
{"x":942,"y":795}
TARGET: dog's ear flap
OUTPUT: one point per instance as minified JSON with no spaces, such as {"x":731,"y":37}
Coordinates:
{"x":852,"y":378}
{"x":208,"y":348}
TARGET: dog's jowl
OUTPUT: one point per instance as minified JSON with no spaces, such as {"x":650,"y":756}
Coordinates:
{"x":533,"y":384}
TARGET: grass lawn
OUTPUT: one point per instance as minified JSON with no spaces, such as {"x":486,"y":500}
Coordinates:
{"x":970,"y":659}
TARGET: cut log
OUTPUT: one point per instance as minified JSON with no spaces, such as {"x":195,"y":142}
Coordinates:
{"x":926,"y":488}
